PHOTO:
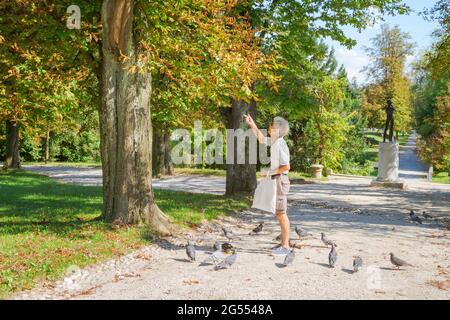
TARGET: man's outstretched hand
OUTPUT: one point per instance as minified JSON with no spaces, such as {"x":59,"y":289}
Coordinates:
{"x":249,"y":120}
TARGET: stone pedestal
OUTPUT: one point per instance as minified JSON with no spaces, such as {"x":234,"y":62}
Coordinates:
{"x":316,"y":171}
{"x":388,"y":163}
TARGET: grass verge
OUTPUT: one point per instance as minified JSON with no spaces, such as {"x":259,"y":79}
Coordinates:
{"x":46,"y":227}
{"x":441,"y":177}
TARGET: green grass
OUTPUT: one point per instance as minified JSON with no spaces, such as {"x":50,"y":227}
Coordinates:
{"x":46,"y":227}
{"x":64,"y":164}
{"x":442,"y":177}
{"x":200,"y":171}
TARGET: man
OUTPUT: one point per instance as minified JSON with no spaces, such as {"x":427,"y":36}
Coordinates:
{"x":279,"y":169}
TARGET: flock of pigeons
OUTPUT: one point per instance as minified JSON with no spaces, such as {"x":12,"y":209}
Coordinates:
{"x":224,"y":255}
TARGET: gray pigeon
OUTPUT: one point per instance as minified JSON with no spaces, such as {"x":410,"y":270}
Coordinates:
{"x":427,"y":215}
{"x":289,"y":258}
{"x":332,"y":256}
{"x":301,"y":232}
{"x":228,"y":234}
{"x":326,"y":241}
{"x":190,"y":250}
{"x":357,"y":264}
{"x":398,"y":262}
{"x":414,"y":217}
{"x":228,"y":262}
{"x":214,"y":257}
{"x":258,"y":229}
{"x":217,"y":245}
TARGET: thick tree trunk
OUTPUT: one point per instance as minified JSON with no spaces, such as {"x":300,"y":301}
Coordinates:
{"x":162,"y":162}
{"x":241,"y":178}
{"x":12,"y":157}
{"x":125,"y":124}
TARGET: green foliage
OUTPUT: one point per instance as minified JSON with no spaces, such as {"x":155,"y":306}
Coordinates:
{"x":388,"y":54}
{"x":432,"y":95}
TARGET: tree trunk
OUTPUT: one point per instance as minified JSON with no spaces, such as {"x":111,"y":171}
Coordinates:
{"x":47,"y":147}
{"x":162,"y":162}
{"x":125,"y":124}
{"x":240,"y":178}
{"x":12,"y":158}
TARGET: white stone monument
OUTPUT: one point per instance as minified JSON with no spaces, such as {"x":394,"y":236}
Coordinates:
{"x":388,"y":161}
{"x":388,"y":164}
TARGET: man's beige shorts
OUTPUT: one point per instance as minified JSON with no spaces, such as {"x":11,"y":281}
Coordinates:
{"x":283,"y":185}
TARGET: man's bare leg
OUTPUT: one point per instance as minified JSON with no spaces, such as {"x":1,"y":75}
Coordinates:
{"x":285,"y":227}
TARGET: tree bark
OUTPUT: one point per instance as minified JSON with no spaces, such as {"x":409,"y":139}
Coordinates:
{"x":12,"y":157}
{"x":125,"y":124}
{"x":240,"y":178}
{"x":47,"y":147}
{"x":162,"y":162}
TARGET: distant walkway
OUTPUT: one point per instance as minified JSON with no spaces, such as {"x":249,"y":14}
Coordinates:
{"x":411,"y":168}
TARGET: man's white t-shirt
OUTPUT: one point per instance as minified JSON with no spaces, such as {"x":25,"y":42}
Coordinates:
{"x":279,"y":154}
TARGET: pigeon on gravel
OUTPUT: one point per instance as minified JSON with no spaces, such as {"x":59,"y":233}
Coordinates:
{"x":258,"y":229}
{"x":332,"y":256}
{"x":289,"y":258}
{"x":190,"y":250}
{"x":398,"y":262}
{"x":357,"y":264}
{"x":326,"y":241}
{"x":427,"y":215}
{"x":301,"y":232}
{"x":214,"y":257}
{"x":228,"y":234}
{"x":217,"y":245}
{"x":227,"y":247}
{"x":414,"y":217}
{"x":228,"y":262}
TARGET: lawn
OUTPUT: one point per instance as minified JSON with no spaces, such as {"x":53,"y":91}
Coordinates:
{"x":442,"y":177}
{"x":46,"y":227}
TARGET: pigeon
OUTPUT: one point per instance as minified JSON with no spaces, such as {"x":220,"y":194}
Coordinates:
{"x":217,"y":245}
{"x":228,"y":262}
{"x":258,"y":229}
{"x":398,"y":262}
{"x":301,"y":232}
{"x":190,"y":250}
{"x":326,"y":241}
{"x":227,"y":247}
{"x":289,"y":258}
{"x":228,"y":234}
{"x":357,"y":264}
{"x":427,"y":215}
{"x":214,"y":257}
{"x":332,"y":256}
{"x":414,"y":217}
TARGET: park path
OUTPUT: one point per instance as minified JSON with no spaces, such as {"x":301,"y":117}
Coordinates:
{"x":363,"y":220}
{"x":411,"y":168}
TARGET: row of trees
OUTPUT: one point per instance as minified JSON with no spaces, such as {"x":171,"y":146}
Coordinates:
{"x":432,"y":93}
{"x":207,"y":59}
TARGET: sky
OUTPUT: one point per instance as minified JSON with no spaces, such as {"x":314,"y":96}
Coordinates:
{"x":419,"y":29}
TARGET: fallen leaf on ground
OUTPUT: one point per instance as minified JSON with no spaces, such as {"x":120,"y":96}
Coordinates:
{"x":442,"y":285}
{"x":190,"y":282}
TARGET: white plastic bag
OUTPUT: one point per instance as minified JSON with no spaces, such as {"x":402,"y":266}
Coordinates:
{"x":265,"y":195}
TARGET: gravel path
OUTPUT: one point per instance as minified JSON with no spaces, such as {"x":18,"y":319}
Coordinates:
{"x":411,"y":168}
{"x":363,"y":220}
